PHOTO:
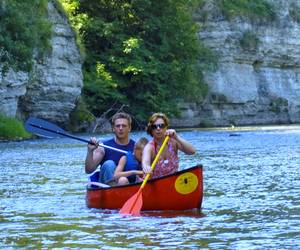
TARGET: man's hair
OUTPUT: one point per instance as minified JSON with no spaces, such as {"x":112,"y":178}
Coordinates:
{"x":121,"y":115}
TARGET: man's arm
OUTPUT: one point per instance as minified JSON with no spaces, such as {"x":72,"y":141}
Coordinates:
{"x":94,"y":156}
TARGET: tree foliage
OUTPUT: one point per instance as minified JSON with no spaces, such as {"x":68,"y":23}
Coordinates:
{"x":23,"y":30}
{"x":143,"y":53}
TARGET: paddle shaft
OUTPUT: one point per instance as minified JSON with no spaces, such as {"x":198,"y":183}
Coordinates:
{"x":75,"y":137}
{"x":134,"y":204}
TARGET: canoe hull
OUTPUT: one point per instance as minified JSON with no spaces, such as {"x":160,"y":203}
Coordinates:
{"x":180,"y":191}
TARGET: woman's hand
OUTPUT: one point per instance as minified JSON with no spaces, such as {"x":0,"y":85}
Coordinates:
{"x":172,"y":133}
{"x":183,"y":145}
{"x":147,"y":169}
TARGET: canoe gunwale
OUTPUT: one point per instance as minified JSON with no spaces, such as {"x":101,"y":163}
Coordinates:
{"x":90,"y":188}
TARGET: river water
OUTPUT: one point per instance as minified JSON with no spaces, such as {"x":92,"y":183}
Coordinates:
{"x":251,"y":196}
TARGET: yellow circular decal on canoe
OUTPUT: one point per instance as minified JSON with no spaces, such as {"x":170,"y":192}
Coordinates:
{"x":186,"y":183}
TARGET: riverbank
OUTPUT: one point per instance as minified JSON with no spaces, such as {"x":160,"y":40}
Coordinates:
{"x":232,"y":129}
{"x":247,"y":128}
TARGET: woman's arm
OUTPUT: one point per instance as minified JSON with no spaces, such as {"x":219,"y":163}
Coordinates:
{"x":182,"y":144}
{"x":146,"y":158}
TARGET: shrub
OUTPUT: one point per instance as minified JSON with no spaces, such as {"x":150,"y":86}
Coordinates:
{"x":80,"y":117}
{"x":255,"y":10}
{"x":11,"y":128}
{"x":249,"y":41}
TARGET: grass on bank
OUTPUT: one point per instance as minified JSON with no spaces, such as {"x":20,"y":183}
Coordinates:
{"x":12,"y":129}
{"x":255,"y":10}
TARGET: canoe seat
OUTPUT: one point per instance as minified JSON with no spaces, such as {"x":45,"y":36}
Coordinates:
{"x":93,"y":180}
{"x":97,"y":184}
{"x":94,"y":177}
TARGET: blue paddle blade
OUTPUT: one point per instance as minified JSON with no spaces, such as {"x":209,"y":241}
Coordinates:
{"x":47,"y":129}
{"x":43,"y":128}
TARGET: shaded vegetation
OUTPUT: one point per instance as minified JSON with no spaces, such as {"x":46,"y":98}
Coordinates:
{"x":80,"y":117}
{"x":23,"y":31}
{"x":249,"y":41}
{"x":294,"y":11}
{"x":278,"y":105}
{"x":255,"y":10}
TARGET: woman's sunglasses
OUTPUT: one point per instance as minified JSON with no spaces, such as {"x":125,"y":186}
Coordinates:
{"x":157,"y":126}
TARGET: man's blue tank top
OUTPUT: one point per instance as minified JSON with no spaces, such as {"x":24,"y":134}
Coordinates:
{"x":115,"y":155}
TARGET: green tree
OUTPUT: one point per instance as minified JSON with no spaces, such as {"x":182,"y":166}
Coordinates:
{"x":23,"y":29}
{"x":143,"y":53}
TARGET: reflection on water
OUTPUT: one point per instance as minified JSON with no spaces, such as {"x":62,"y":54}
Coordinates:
{"x":195,"y":213}
{"x":251,"y":196}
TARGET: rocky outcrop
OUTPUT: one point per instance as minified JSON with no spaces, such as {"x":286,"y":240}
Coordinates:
{"x":51,"y":89}
{"x":12,"y":87}
{"x":257,"y":80}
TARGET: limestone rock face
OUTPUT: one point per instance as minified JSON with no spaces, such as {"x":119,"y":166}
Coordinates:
{"x":256,"y":84}
{"x":51,"y":89}
{"x":57,"y":79}
{"x":12,"y":87}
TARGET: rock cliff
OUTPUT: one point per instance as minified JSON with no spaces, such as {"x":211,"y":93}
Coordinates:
{"x":258,"y":76}
{"x":51,"y":89}
{"x":257,"y":80}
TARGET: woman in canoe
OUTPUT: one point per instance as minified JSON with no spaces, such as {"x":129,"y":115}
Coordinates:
{"x":129,"y":166}
{"x":168,"y":163}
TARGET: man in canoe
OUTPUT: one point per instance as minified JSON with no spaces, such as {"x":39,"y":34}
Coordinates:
{"x":168,"y":162}
{"x":109,"y":158}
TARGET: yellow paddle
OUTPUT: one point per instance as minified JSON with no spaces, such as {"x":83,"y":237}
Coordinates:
{"x":134,"y":204}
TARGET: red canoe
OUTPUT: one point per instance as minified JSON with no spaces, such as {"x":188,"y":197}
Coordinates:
{"x":182,"y":190}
